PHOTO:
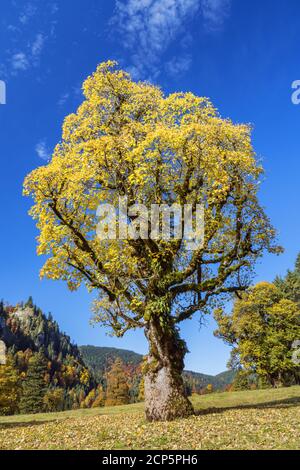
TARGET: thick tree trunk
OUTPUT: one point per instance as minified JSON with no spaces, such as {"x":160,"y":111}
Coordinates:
{"x":165,"y":399}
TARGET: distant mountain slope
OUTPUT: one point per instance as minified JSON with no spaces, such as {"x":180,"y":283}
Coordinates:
{"x":26,"y":327}
{"x":99,"y":358}
{"x":225,"y":377}
{"x":24,"y":331}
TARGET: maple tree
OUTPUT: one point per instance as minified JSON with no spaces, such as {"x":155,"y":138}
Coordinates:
{"x":262,"y":328}
{"x":129,"y":139}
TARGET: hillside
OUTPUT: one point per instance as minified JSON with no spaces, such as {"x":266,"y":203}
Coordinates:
{"x":27,"y":327}
{"x":25,"y":333}
{"x":99,"y":358}
{"x":258,"y":419}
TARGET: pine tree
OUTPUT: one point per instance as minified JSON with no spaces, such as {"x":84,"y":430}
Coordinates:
{"x":289,"y":285}
{"x":29,"y":302}
{"x":117,"y":392}
{"x":241,"y":380}
{"x":33,"y":389}
{"x":9,"y":388}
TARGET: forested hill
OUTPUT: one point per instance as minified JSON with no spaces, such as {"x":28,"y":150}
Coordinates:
{"x":25,"y":326}
{"x":99,"y":359}
{"x":34,"y":345}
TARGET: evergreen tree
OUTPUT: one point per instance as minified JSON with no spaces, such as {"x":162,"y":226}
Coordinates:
{"x":289,"y":285}
{"x":33,"y":389}
{"x":241,"y":381}
{"x":9,"y":388}
{"x":117,"y":392}
{"x":1,"y":308}
{"x":29,"y":302}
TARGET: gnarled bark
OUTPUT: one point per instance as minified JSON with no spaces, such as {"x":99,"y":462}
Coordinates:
{"x":165,"y":399}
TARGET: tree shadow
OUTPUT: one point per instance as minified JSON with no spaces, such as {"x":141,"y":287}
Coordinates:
{"x":22,"y":424}
{"x":283,"y":403}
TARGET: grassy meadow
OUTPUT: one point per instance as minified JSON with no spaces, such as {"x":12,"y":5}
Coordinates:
{"x":259,"y":419}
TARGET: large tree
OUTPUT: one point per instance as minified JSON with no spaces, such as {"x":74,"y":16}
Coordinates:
{"x":129,"y":139}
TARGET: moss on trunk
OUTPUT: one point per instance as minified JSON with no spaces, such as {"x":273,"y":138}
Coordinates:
{"x":164,"y":389}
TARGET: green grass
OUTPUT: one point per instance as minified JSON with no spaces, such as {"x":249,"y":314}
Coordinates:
{"x":260,"y":419}
{"x":62,"y":415}
{"x":247,"y":398}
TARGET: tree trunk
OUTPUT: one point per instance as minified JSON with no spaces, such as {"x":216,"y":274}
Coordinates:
{"x":165,"y":399}
{"x":278,"y":380}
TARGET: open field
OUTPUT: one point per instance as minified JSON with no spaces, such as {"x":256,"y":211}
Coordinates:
{"x":261,"y":419}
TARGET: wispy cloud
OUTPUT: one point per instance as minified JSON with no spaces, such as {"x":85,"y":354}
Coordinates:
{"x":149,"y":27}
{"x":37,"y":45}
{"x":177,"y":66}
{"x":215,"y":12}
{"x":27,"y":12}
{"x":19,"y":61}
{"x":63,"y":99}
{"x":42,"y":150}
{"x":23,"y":55}
{"x":73,"y":95}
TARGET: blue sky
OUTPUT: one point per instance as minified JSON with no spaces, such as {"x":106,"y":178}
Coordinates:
{"x":244,"y":55}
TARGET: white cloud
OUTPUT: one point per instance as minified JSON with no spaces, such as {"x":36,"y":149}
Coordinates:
{"x":27,"y":13}
{"x":23,"y":55}
{"x":148,"y":27}
{"x":74,"y":95}
{"x":154,"y":22}
{"x":37,"y":45}
{"x":63,"y":99}
{"x":215,"y":12}
{"x":19,"y":61}
{"x":22,"y":61}
{"x":42,"y":150}
{"x":178,"y":65}
{"x":54,"y":8}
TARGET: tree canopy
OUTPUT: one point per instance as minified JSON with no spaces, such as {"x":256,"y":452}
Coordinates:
{"x":128,"y":139}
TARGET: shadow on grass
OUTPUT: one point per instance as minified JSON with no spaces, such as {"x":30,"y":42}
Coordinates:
{"x":19,"y":424}
{"x":283,"y":403}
